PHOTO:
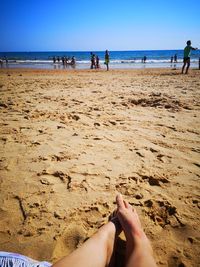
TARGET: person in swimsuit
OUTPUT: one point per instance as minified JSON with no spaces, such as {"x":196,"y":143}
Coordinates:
{"x":92,"y":59}
{"x":186,"y":59}
{"x":97,"y":66}
{"x":107,"y":59}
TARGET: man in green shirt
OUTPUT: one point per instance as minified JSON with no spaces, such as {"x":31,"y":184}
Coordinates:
{"x":186,"y":59}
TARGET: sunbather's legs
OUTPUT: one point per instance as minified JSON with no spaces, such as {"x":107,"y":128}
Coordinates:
{"x":96,"y":251}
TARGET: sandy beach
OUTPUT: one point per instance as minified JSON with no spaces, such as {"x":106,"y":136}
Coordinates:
{"x":71,"y":140}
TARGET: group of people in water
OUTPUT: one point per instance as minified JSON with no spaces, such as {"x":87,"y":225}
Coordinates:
{"x":95,"y":60}
{"x":65,"y":60}
{"x":144,"y":59}
{"x":5,"y":59}
{"x":174,"y":58}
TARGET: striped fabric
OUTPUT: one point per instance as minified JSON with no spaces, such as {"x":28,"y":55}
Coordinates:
{"x":9,"y":259}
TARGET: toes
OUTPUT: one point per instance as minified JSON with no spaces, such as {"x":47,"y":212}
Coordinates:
{"x":130,"y":207}
{"x":120,"y":202}
{"x":126,"y":204}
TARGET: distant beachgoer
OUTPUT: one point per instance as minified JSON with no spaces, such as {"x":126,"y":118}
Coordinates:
{"x":63,"y":61}
{"x":175,"y":58}
{"x":66,"y":60}
{"x":54,"y":60}
{"x":73,"y":61}
{"x":6,"y":60}
{"x":1,"y":62}
{"x":172,"y":58}
{"x":97,"y":63}
{"x":186,"y":59}
{"x":58,"y":58}
{"x":92,"y":59}
{"x":145,"y":58}
{"x":107,"y":59}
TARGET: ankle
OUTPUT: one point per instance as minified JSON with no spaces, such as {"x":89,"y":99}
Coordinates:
{"x":107,"y":233}
{"x":139,"y":241}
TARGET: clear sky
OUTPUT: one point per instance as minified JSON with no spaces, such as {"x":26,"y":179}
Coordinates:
{"x":85,"y":25}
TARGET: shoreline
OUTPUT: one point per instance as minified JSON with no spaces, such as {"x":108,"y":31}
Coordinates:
{"x":122,"y":66}
{"x":101,"y":70}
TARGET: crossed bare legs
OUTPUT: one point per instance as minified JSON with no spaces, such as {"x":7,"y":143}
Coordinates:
{"x":97,"y":251}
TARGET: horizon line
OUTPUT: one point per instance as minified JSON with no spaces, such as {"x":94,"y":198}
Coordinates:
{"x":41,"y":51}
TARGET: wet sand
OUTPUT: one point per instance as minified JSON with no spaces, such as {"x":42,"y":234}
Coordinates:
{"x":70,"y":140}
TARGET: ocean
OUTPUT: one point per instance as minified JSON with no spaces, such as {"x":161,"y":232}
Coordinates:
{"x":118,"y":59}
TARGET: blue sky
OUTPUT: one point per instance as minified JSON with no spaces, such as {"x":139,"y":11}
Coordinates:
{"x":85,"y":25}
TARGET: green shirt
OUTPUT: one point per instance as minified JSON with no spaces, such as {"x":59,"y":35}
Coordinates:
{"x":187,"y":51}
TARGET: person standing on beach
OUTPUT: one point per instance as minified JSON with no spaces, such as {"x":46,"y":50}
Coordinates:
{"x":63,"y":61}
{"x":107,"y":59}
{"x":97,"y":62}
{"x":92,"y":58}
{"x":1,"y":63}
{"x":186,"y":59}
{"x":73,"y":61}
{"x":175,"y":58}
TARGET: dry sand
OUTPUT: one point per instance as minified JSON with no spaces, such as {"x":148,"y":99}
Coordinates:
{"x":70,"y":140}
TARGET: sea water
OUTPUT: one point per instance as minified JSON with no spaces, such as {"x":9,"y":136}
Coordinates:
{"x":118,"y":59}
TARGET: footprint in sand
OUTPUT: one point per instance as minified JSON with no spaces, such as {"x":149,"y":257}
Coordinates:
{"x":163,"y":213}
{"x":48,"y":178}
{"x":68,"y":240}
{"x":154,"y":180}
{"x":176,"y":260}
{"x":161,"y":157}
{"x":83,"y":221}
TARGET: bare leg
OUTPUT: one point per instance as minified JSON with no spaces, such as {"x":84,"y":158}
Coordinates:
{"x":188,"y":65}
{"x":138,"y":249}
{"x":183,"y":68}
{"x":95,"y":252}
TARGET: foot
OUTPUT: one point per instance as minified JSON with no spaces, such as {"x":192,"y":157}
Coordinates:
{"x":138,"y":248}
{"x":131,"y":224}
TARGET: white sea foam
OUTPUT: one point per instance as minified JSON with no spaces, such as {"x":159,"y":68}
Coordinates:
{"x":115,"y":61}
